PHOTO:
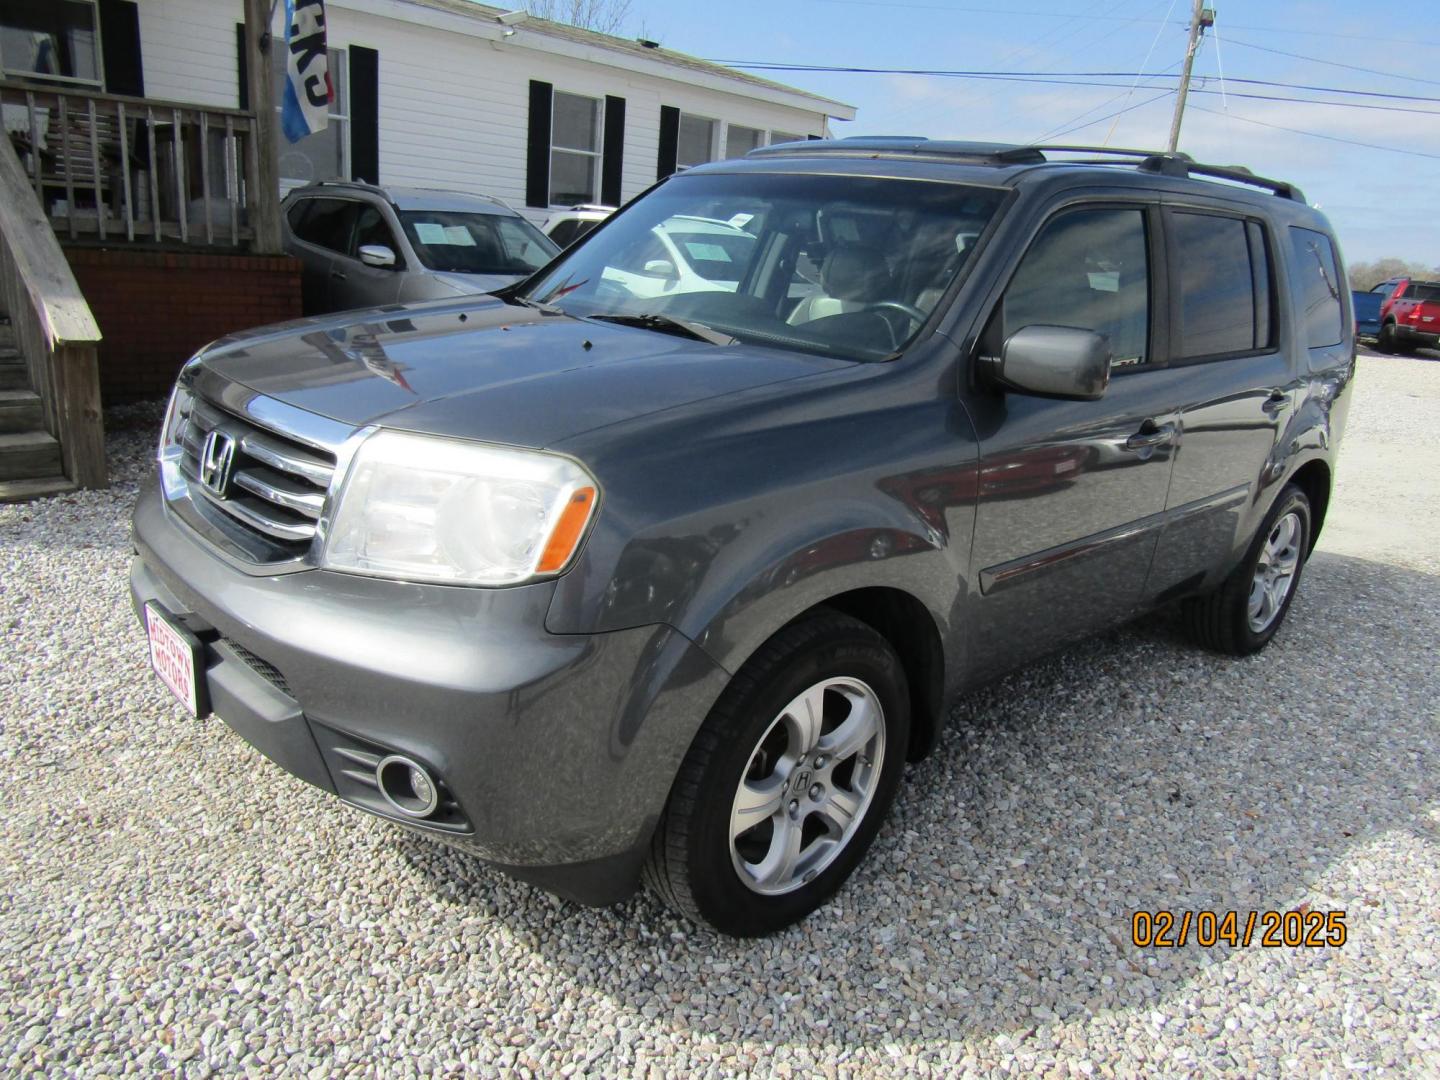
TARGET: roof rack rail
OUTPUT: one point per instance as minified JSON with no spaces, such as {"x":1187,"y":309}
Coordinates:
{"x":1168,"y":163}
{"x":337,"y":182}
{"x":977,"y":153}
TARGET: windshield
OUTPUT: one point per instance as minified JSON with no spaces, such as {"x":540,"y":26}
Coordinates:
{"x":846,"y":266}
{"x":1424,"y":292}
{"x":453,"y":241}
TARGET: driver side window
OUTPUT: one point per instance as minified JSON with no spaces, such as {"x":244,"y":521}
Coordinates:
{"x":1088,"y":269}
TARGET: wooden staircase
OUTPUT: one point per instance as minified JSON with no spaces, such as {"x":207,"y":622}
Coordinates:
{"x":30,"y":462}
{"x":52,"y":437}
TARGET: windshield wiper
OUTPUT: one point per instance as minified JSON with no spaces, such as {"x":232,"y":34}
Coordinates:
{"x":668,"y":324}
{"x":540,"y":306}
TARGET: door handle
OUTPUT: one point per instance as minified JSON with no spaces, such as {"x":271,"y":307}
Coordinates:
{"x":1275,"y":402}
{"x":1151,"y":436}
{"x":338,"y":274}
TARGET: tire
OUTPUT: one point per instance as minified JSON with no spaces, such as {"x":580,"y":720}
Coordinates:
{"x":1386,"y":341}
{"x":1225,"y":619}
{"x":707,"y":860}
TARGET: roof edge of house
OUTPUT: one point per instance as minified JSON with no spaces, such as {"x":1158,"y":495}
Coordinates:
{"x":626,"y":52}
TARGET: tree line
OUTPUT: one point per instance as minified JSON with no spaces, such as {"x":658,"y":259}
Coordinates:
{"x":1366,"y":275}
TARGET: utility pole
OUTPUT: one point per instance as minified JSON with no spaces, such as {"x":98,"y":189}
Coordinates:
{"x":263,"y":181}
{"x":1200,"y":18}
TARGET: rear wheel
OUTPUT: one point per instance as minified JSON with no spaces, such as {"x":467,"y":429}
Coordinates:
{"x":1243,"y":614}
{"x":788,"y":780}
{"x":1386,"y":341}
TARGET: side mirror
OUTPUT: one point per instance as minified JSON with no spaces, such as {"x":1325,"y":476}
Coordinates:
{"x":661,"y":268}
{"x":1054,"y":361}
{"x":377,"y":255}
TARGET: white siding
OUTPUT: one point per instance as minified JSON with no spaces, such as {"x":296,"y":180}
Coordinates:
{"x":453,"y":106}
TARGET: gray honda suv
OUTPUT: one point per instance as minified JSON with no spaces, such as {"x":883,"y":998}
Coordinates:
{"x":621,"y":575}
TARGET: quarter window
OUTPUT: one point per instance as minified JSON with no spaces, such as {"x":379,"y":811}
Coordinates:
{"x":1224,"y":285}
{"x":1087,"y":269}
{"x":575,"y":150}
{"x":1317,"y":283}
{"x":696,"y":143}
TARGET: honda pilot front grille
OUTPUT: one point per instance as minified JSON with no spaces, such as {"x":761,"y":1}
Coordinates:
{"x":268,"y":483}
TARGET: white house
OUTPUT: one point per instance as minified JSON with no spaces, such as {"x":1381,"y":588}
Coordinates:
{"x":435,"y":93}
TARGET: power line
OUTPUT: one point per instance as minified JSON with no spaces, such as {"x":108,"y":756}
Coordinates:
{"x":1108,"y":116}
{"x":1318,"y":135}
{"x":1333,"y":63}
{"x":764,"y":65}
{"x":1067,"y":78}
{"x":1330,"y":34}
{"x":984,"y":10}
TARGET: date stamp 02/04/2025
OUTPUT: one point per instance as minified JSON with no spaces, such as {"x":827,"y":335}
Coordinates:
{"x":1296,"y":929}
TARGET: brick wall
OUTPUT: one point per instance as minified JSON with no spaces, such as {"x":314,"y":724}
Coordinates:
{"x":156,"y":308}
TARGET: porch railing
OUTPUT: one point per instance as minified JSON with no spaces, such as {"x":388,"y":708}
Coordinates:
{"x":125,"y":169}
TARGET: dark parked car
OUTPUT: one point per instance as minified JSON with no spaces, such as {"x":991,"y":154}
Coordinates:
{"x":601,"y":584}
{"x":361,"y":245}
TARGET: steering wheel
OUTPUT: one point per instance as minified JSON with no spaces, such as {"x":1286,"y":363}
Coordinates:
{"x":915,"y":315}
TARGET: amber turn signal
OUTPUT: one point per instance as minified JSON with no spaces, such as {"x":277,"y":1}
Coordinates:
{"x":568,"y":530}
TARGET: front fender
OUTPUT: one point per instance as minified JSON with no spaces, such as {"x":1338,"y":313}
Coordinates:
{"x":727,"y":526}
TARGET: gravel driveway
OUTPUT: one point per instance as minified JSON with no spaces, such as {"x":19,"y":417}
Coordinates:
{"x":171,"y":901}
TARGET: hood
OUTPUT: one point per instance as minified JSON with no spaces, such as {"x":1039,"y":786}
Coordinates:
{"x":482,"y":369}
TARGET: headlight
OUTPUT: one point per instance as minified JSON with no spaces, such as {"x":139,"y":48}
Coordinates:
{"x":422,"y":508}
{"x":172,"y":434}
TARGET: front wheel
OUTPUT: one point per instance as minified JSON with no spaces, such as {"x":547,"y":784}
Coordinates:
{"x":1244,"y":612}
{"x":788,"y":780}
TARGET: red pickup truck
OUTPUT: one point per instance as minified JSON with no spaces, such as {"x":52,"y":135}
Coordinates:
{"x":1409,"y":315}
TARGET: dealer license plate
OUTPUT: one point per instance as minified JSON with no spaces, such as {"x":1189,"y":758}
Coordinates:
{"x":175,"y":656}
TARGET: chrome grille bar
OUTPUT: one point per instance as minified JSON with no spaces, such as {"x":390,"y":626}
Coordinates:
{"x":273,"y":488}
{"x":280,"y":456}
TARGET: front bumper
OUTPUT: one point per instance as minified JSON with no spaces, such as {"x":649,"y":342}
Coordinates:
{"x":555,"y":752}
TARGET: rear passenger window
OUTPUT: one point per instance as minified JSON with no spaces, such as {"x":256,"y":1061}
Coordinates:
{"x":327,"y":223}
{"x":1317,"y":286}
{"x":1224,"y":285}
{"x":1087,"y":269}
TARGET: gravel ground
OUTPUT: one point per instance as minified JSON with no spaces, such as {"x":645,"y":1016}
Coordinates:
{"x":171,"y":902}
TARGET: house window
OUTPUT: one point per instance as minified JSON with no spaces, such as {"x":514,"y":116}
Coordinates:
{"x":739,"y":141}
{"x":696,"y":144}
{"x":324,"y":155}
{"x":51,"y":39}
{"x":785,"y":136}
{"x":575,"y":150}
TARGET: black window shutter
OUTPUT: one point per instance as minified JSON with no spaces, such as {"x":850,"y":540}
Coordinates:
{"x":669,"y":141}
{"x":242,"y":65}
{"x":364,"y":114}
{"x":120,"y":47}
{"x":537,"y":150}
{"x":612,"y":162}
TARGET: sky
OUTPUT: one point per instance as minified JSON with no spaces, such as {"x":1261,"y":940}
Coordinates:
{"x":1382,"y":202}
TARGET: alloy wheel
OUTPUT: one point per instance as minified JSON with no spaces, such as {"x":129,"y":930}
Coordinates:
{"x":807,"y":785}
{"x":1275,"y":571}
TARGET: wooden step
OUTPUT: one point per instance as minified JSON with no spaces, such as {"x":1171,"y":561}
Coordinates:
{"x":29,"y":455}
{"x":25,"y":490}
{"x":14,"y":373}
{"x":20,"y":411}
